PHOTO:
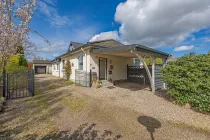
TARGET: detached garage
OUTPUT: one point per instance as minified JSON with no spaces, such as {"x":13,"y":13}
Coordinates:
{"x":40,"y":69}
{"x":42,"y":66}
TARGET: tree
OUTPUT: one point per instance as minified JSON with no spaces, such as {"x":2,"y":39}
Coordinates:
{"x":16,"y":62}
{"x":15,"y":17}
{"x":158,"y":61}
{"x":68,"y":69}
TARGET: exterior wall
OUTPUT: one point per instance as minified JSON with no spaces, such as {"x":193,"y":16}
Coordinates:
{"x":91,"y":61}
{"x":75,"y":64}
{"x":48,"y":67}
{"x":119,"y":64}
{"x":55,"y":70}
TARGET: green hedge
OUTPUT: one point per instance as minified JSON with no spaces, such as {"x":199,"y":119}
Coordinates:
{"x":188,"y":80}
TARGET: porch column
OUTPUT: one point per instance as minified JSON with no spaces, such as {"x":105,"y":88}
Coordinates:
{"x":153,"y":74}
{"x":164,"y":64}
{"x":147,"y":70}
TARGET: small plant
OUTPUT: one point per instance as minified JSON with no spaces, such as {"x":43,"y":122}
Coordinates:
{"x":68,"y":69}
{"x":99,"y":84}
{"x":70,"y":82}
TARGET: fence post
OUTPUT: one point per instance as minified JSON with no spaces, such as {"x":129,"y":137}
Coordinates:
{"x":4,"y":83}
{"x":127,"y":73}
{"x":90,"y":78}
{"x":33,"y":83}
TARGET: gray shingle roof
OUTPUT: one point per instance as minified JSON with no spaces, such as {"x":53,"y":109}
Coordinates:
{"x":76,"y":44}
{"x":106,"y":43}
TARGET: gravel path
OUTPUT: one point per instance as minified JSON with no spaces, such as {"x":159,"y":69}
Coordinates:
{"x":146,"y":102}
{"x":63,"y":111}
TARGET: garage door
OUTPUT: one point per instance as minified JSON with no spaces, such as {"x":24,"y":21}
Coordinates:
{"x":40,"y":69}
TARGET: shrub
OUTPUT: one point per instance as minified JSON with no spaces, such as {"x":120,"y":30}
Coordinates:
{"x":70,"y":82}
{"x":68,"y":69}
{"x":188,"y":80}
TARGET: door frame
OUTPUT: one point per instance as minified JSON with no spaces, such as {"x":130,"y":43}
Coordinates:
{"x":105,"y":68}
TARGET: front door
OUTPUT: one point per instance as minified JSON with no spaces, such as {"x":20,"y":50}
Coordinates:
{"x":102,"y":68}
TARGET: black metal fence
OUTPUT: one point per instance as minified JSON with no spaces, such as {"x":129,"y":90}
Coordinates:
{"x":83,"y":78}
{"x":18,"y":84}
{"x":138,"y":74}
{"x":1,"y":85}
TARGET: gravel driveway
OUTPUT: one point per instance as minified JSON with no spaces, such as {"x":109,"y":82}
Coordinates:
{"x":63,"y":111}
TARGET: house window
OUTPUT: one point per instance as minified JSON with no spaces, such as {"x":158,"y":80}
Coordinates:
{"x":63,"y":64}
{"x":136,"y":62}
{"x":54,"y":67}
{"x":80,"y":62}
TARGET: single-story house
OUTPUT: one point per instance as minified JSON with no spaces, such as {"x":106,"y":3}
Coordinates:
{"x":42,"y":66}
{"x":108,"y":60}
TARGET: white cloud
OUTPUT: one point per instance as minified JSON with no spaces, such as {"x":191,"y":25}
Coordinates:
{"x":106,"y":35}
{"x":48,"y":8}
{"x":56,"y":46}
{"x":184,"y":48}
{"x":161,"y":22}
{"x":55,"y":55}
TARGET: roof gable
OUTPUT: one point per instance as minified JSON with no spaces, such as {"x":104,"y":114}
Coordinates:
{"x":75,"y":45}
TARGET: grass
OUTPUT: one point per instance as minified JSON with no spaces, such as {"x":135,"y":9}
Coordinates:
{"x":193,"y":127}
{"x":75,"y":103}
{"x":70,"y":82}
{"x":40,"y":130}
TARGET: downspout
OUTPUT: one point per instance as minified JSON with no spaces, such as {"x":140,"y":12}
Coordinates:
{"x":85,"y":57}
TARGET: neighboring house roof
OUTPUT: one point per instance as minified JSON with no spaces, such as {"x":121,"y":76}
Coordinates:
{"x":75,"y":44}
{"x":106,"y":43}
{"x":42,"y":62}
{"x":171,"y":58}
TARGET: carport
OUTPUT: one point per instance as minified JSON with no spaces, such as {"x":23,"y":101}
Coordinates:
{"x":141,"y":52}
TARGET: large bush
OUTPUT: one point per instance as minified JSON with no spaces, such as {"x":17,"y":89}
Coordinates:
{"x":188,"y":80}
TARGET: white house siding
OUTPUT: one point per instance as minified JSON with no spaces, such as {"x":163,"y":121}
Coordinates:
{"x":119,"y":71}
{"x":74,"y":63}
{"x":91,"y":61}
{"x":55,"y":70}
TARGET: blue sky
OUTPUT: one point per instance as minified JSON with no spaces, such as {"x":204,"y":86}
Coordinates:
{"x":154,"y":23}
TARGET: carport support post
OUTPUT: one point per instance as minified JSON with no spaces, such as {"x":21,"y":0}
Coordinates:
{"x":164,"y":64}
{"x":153,"y":74}
{"x":147,"y":70}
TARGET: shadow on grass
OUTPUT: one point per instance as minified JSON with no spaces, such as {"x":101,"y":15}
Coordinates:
{"x":83,"y":132}
{"x":24,"y":114}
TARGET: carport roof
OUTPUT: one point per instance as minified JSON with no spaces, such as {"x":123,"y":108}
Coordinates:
{"x":123,"y":50}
